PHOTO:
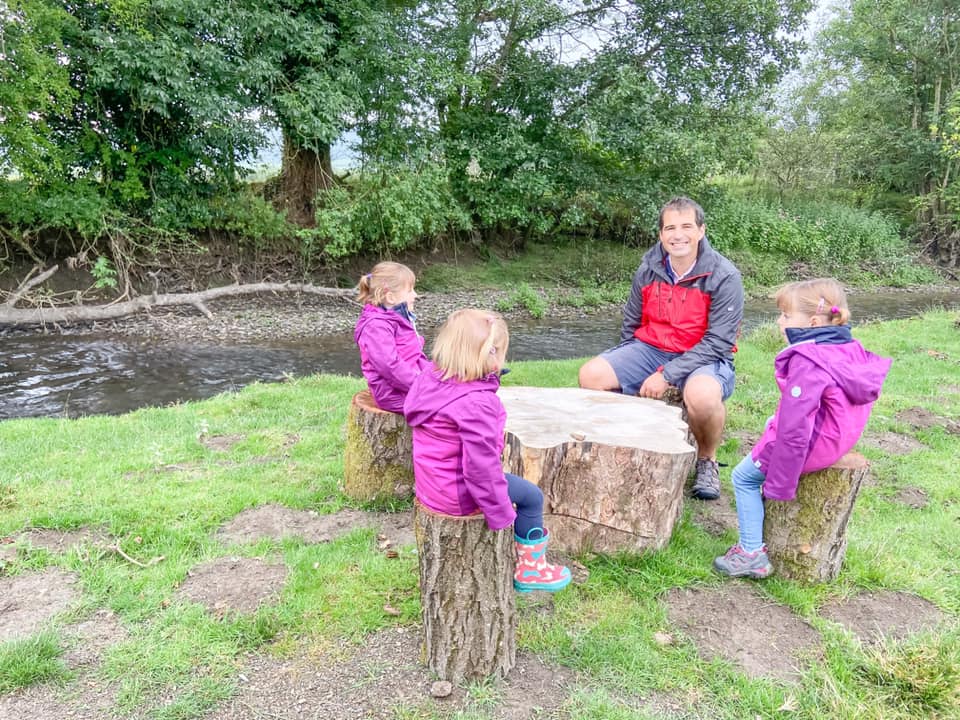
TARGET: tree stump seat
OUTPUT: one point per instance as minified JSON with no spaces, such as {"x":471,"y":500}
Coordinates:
{"x":378,"y":453}
{"x":466,"y":594}
{"x":612,"y":468}
{"x":806,"y":538}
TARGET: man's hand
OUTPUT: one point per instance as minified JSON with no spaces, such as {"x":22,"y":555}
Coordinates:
{"x":654,"y":386}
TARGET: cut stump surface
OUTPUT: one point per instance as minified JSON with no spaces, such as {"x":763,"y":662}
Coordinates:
{"x":612,"y":468}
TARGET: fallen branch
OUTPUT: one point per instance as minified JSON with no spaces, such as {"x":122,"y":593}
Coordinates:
{"x":10,"y":315}
{"x":28,"y":283}
{"x":119,"y":550}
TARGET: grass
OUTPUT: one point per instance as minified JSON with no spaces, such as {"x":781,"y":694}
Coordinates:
{"x":146,"y":479}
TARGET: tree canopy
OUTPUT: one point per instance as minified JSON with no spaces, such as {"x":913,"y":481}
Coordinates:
{"x":132,"y":118}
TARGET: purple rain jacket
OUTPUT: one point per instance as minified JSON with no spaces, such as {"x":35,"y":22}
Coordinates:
{"x":828,"y":383}
{"x":391,"y":355}
{"x":457,"y":442}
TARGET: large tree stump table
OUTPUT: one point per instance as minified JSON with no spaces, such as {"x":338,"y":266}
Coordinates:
{"x":466,"y":594}
{"x":612,"y":467}
{"x":378,"y":453}
{"x":807,"y":537}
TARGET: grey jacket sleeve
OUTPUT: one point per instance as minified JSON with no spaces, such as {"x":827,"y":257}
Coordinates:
{"x":633,"y":309}
{"x":726,"y":314}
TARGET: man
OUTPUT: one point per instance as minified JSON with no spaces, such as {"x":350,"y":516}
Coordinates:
{"x":679,"y":328}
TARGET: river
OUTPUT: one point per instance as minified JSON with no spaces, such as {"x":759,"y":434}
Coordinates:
{"x":70,"y":376}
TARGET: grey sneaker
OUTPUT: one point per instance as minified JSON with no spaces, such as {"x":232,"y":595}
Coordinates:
{"x":739,"y":563}
{"x":707,"y":484}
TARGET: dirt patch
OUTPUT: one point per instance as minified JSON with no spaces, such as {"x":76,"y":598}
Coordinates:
{"x":233,"y":584}
{"x":62,"y":541}
{"x":81,"y":700}
{"x":716,"y":517}
{"x":873,"y":615}
{"x":380,"y":678}
{"x":28,"y":601}
{"x":746,"y":439}
{"x":90,"y":638}
{"x":220,"y":443}
{"x":913,"y":497}
{"x":892,"y":443}
{"x":734,"y":622}
{"x":921,"y":419}
{"x":277,"y":522}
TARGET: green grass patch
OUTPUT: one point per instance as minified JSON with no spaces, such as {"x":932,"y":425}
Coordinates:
{"x":32,"y":660}
{"x":152,"y":481}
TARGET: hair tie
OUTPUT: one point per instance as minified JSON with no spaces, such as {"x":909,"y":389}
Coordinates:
{"x":834,"y":310}
{"x":369,"y":275}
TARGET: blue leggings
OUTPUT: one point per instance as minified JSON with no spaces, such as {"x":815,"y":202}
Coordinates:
{"x":529,"y":501}
{"x":747,"y":480}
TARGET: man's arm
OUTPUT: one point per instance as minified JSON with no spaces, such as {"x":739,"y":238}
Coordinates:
{"x":723,"y":324}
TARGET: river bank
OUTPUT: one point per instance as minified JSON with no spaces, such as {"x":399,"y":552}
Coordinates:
{"x":296,"y":317}
{"x":299,"y":316}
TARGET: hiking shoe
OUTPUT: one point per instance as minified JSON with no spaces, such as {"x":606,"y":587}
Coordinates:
{"x":707,"y":484}
{"x":739,"y":563}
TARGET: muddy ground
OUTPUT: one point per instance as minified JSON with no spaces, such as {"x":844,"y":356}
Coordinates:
{"x":382,"y":674}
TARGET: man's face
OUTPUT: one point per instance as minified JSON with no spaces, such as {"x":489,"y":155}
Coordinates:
{"x":681,"y":236}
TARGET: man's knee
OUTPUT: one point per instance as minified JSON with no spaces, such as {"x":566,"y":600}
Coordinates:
{"x":598,"y":374}
{"x":703,"y":395}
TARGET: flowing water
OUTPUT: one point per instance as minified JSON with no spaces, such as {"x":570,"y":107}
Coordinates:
{"x":87,"y":375}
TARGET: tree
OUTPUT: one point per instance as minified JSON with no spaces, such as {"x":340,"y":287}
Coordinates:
{"x":885,"y":75}
{"x":34,"y":84}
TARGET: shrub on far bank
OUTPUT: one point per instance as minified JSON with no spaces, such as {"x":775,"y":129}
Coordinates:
{"x":774,"y":243}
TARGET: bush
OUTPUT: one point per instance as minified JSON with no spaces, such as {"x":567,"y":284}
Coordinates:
{"x":386,"y":211}
{"x":821,"y":235}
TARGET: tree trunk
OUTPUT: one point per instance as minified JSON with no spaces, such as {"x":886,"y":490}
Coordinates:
{"x":806,"y":538}
{"x":378,"y":454}
{"x":303,"y":174}
{"x":612,"y":468}
{"x":467,"y":595}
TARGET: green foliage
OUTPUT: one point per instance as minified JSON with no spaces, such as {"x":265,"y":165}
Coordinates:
{"x":810,"y":237}
{"x":34,"y":86}
{"x":880,"y":84}
{"x":526,"y":297}
{"x":392,"y":210}
{"x":104,"y":273}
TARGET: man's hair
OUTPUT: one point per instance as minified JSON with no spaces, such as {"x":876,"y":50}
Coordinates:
{"x":385,"y":277}
{"x":469,"y":343}
{"x":679,"y":204}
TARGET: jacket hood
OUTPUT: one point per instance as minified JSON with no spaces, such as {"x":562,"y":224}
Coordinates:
{"x":433,"y":394}
{"x":375,"y":312}
{"x":858,"y":372}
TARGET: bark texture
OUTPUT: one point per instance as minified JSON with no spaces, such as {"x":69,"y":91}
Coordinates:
{"x":378,"y":453}
{"x":467,"y":595}
{"x":807,"y":538}
{"x":612,"y":468}
{"x":304,"y":173}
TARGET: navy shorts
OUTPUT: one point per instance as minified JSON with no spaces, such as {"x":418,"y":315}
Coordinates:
{"x":634,"y":361}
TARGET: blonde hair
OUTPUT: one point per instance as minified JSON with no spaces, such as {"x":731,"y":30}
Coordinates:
{"x":468,"y":344}
{"x":822,"y":296}
{"x":385,"y":277}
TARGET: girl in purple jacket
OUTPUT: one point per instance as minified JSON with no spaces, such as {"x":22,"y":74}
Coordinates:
{"x":391,"y":350}
{"x":828,"y":383}
{"x":458,"y":423}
